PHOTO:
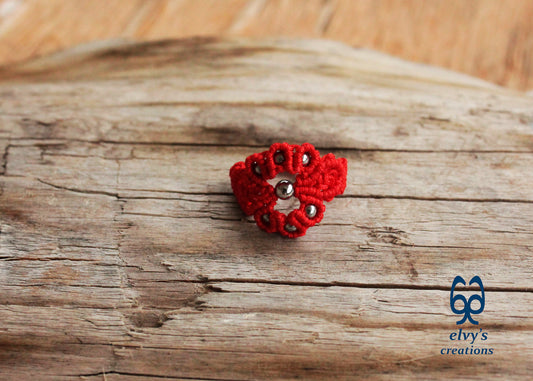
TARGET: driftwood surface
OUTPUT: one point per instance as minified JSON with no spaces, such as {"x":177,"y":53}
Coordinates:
{"x":123,"y":253}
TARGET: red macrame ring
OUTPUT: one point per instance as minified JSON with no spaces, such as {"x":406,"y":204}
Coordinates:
{"x":318,"y":179}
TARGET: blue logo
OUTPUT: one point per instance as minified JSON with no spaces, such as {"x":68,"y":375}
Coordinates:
{"x":467,"y":304}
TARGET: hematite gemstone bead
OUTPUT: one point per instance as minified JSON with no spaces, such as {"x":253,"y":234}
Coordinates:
{"x":257,"y":169}
{"x":310,"y":210}
{"x":284,"y":189}
{"x":290,"y":228}
{"x":265,"y":218}
{"x":305,"y":159}
{"x":279,"y":158}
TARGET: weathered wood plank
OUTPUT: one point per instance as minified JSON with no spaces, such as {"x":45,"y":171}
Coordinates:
{"x":411,"y":242}
{"x":178,"y":229}
{"x":326,"y":93}
{"x":121,"y":170}
{"x":239,"y":330}
{"x":123,"y":253}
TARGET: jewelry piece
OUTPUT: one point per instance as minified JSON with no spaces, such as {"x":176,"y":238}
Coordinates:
{"x":318,"y":179}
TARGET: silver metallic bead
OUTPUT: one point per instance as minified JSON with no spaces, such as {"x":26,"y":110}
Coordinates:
{"x":257,"y":169}
{"x":305,"y":159}
{"x":290,"y":228}
{"x":265,"y":218}
{"x":310,"y":210}
{"x":279,"y":158}
{"x":284,"y":189}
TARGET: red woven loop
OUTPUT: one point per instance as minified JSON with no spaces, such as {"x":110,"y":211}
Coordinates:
{"x":317,"y":180}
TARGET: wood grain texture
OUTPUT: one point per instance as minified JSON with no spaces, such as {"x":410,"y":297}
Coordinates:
{"x":124,"y":255}
{"x":490,"y":39}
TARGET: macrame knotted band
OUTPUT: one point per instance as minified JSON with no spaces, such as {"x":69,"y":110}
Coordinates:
{"x":318,"y":179}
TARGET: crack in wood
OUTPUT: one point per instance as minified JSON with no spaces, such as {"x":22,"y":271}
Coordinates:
{"x":205,"y":280}
{"x":76,"y":190}
{"x":124,"y":266}
{"x":263,"y":146}
{"x":355,"y":196}
{"x":46,"y":259}
{"x":444,"y":199}
{"x":150,"y":375}
{"x":4,"y":159}
{"x":180,"y":217}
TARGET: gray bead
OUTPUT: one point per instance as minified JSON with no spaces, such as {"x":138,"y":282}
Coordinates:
{"x":279,"y":158}
{"x":257,"y":169}
{"x":265,"y":218}
{"x":290,"y":228}
{"x":305,"y":159}
{"x":310,"y":210}
{"x":284,"y":189}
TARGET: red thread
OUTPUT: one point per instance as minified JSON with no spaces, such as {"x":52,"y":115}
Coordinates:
{"x":321,"y":179}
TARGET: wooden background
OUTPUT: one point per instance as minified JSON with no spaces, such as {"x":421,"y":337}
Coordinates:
{"x":124,"y":255}
{"x":490,"y":39}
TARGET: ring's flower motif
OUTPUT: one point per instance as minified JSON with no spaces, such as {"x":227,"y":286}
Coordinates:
{"x":318,"y":179}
